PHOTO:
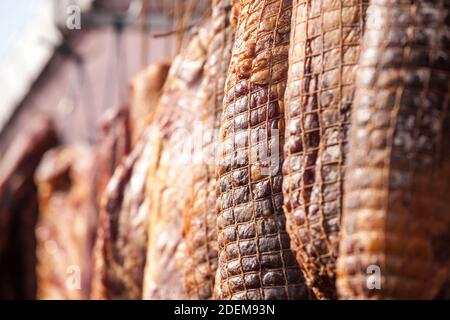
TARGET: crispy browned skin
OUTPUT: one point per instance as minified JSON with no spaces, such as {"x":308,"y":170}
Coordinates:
{"x":66,"y":226}
{"x":396,"y":204}
{"x":145,"y":92}
{"x":19,"y":209}
{"x":324,"y":53}
{"x":171,"y":161}
{"x":255,"y":258}
{"x":120,"y":252}
{"x":200,"y":207}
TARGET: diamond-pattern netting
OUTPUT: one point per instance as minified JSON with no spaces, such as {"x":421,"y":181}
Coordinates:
{"x":200,"y":213}
{"x":324,"y":54}
{"x":255,"y":258}
{"x":168,"y":178}
{"x":396,"y":225}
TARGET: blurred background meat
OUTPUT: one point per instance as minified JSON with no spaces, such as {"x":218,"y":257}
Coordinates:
{"x":113,"y":144}
{"x":67,"y":222}
{"x":78,"y":78}
{"x":173,"y":146}
{"x":19,"y":209}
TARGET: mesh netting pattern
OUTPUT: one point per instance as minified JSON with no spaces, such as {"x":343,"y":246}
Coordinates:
{"x":200,"y":209}
{"x":255,"y":258}
{"x":168,"y":178}
{"x":324,"y":54}
{"x":396,"y":223}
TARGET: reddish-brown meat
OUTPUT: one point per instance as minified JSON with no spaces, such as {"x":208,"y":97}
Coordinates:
{"x":66,"y":227}
{"x":113,"y":145}
{"x":396,"y":224}
{"x":200,"y":208}
{"x":324,"y":54}
{"x":171,"y":160}
{"x":19,"y":209}
{"x":255,"y":258}
{"x":120,"y":251}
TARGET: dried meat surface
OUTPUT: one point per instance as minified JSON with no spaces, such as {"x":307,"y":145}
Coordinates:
{"x":19,"y":209}
{"x":66,"y":227}
{"x":172,"y":153}
{"x":120,"y":250}
{"x":255,"y":257}
{"x":200,"y":214}
{"x":324,"y":55}
{"x":396,"y":223}
{"x":113,"y":145}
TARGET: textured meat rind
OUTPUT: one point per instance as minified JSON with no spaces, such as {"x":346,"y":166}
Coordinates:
{"x":66,"y":225}
{"x":120,"y":252}
{"x":255,"y":258}
{"x":396,"y":207}
{"x":200,"y":213}
{"x":172,"y":146}
{"x":323,"y":59}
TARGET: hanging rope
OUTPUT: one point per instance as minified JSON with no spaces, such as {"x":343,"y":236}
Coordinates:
{"x":116,"y":71}
{"x":185,"y":22}
{"x":145,"y":30}
{"x":121,"y":61}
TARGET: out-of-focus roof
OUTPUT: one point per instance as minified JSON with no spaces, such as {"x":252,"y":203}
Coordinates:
{"x":153,"y":6}
{"x":40,"y":35}
{"x":22,"y":63}
{"x":33,"y":44}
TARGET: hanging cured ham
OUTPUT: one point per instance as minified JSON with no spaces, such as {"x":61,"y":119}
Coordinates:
{"x":396,"y":226}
